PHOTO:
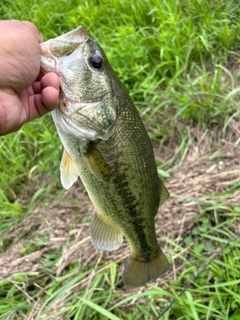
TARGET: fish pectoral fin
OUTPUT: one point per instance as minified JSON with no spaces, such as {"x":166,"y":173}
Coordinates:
{"x":164,"y":194}
{"x":96,"y":163}
{"x":104,"y":236}
{"x":69,"y":173}
{"x":137,"y":273}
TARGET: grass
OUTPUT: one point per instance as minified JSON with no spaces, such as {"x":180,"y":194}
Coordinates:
{"x":180,"y":62}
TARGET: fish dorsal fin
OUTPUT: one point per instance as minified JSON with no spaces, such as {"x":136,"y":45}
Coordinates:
{"x":164,"y":194}
{"x":96,"y":163}
{"x":104,"y":236}
{"x":68,"y":171}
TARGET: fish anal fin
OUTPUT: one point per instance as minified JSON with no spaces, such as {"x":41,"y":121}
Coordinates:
{"x":137,"y":273}
{"x":164,"y":194}
{"x":69,"y":173}
{"x":104,"y":236}
{"x":96,"y":163}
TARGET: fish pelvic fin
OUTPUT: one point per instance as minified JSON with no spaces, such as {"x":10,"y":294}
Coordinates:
{"x":137,"y":273}
{"x":68,"y":171}
{"x":104,"y":236}
{"x":164,"y":194}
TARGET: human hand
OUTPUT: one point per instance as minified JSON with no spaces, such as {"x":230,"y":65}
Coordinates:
{"x":25,"y":94}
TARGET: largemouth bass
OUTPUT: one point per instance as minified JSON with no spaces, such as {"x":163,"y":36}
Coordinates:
{"x":107,"y":146}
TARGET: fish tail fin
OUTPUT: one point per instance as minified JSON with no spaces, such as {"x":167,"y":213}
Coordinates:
{"x":137,"y":273}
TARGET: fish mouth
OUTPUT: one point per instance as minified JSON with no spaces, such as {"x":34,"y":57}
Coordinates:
{"x":61,"y":46}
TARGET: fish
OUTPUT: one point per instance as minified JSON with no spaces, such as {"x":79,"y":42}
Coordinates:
{"x":107,"y":146}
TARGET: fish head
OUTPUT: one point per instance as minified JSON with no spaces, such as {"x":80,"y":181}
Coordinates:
{"x":88,"y":108}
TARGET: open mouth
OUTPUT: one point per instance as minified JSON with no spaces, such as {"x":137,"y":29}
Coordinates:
{"x":60,"y":47}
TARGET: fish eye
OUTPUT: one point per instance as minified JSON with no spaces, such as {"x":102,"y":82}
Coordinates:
{"x":96,"y":61}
